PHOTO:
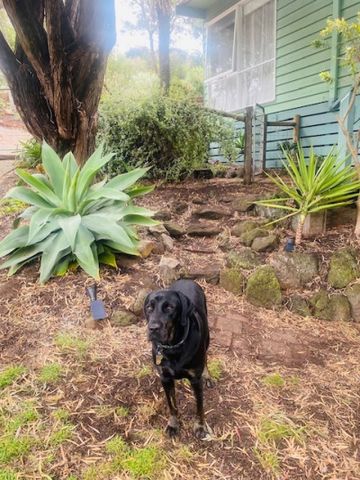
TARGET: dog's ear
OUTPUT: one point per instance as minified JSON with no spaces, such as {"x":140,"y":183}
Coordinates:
{"x":146,"y":301}
{"x":187,"y":308}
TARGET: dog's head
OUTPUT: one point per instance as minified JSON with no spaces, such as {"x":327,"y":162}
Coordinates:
{"x":167,"y":313}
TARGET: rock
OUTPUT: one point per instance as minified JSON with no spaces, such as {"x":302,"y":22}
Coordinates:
{"x":123,"y":318}
{"x":270,"y":213}
{"x":243,"y":204}
{"x":232,"y":280}
{"x":180,"y":207}
{"x":211,"y":213}
{"x":353,"y":295}
{"x":157,"y":230}
{"x":247,"y":238}
{"x":163,"y":215}
{"x":209,"y":274}
{"x":138,"y":305}
{"x":336,"y":307}
{"x":245,"y":258}
{"x":299,"y":305}
{"x":202,"y":230}
{"x":314,"y":225}
{"x":263,"y":288}
{"x":343,"y":268}
{"x":336,"y":217}
{"x":174,"y":229}
{"x":224,"y":241}
{"x":146,"y":247}
{"x":295,"y":269}
{"x":126,"y":261}
{"x":265,"y":244}
{"x":205,"y":173}
{"x":199,"y":201}
{"x":167,"y":241}
{"x":169,"y":270}
{"x":243,"y":227}
{"x":234,"y":172}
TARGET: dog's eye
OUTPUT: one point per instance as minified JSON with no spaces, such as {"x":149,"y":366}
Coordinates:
{"x":168,"y":307}
{"x":149,"y":308}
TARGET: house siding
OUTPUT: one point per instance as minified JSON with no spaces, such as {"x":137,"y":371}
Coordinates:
{"x":299,"y":89}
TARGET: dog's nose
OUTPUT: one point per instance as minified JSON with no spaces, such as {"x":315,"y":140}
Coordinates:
{"x":154,"y":326}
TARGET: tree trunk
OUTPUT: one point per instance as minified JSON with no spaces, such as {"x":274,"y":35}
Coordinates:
{"x":57,"y":70}
{"x":299,"y":229}
{"x":163,"y":10}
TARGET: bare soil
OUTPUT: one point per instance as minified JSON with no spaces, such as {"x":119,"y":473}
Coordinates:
{"x":317,"y":363}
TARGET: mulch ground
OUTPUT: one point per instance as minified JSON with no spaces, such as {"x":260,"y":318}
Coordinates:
{"x":286,"y":404}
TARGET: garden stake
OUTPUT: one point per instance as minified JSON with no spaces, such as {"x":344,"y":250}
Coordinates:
{"x":96,"y":306}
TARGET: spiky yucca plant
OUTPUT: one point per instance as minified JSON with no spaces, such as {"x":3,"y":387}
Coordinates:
{"x":314,"y":186}
{"x":72,"y":219}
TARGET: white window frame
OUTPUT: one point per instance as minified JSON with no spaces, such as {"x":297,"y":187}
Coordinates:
{"x":233,"y":70}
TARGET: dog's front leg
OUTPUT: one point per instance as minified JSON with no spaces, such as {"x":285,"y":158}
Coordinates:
{"x":197,"y":386}
{"x":172,"y":428}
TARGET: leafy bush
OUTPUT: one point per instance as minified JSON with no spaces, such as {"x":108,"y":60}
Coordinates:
{"x":30,"y":153}
{"x":313,"y":188}
{"x":72,"y":219}
{"x":171,"y":136}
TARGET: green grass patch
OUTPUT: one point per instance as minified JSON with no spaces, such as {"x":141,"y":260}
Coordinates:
{"x":27,"y":415}
{"x":122,"y":411}
{"x":274,"y":380}
{"x":68,"y":343}
{"x":10,"y":375}
{"x":143,"y":372}
{"x":11,"y":448}
{"x":51,"y":373}
{"x":268,"y":459}
{"x":8,"y":474}
{"x":10,"y":206}
{"x":277,"y":428}
{"x":116,"y":446}
{"x":61,"y":414}
{"x":215,"y":368}
{"x":61,"y":435}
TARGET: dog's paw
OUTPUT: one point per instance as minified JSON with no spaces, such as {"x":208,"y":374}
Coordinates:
{"x":200,"y":431}
{"x":209,"y":382}
{"x":172,"y":431}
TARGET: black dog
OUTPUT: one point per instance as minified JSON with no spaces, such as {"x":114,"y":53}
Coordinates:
{"x":178,"y":330}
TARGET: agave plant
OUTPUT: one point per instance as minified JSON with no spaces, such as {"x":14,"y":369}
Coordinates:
{"x":72,"y":219}
{"x":315,"y":185}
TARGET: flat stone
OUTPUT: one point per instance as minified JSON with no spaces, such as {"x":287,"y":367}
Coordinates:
{"x":209,"y":274}
{"x":163,"y":215}
{"x":263,"y":288}
{"x":174,"y":229}
{"x":146,"y":247}
{"x":169,"y":270}
{"x":180,"y":207}
{"x":247,"y":238}
{"x":167,"y":241}
{"x":336,"y":307}
{"x":138,"y":305}
{"x":234,"y":172}
{"x":244,"y":227}
{"x":352,"y":293}
{"x":245,"y":258}
{"x":295,"y":269}
{"x":265,"y":244}
{"x":199,"y":201}
{"x":202,"y":230}
{"x":157,"y":230}
{"x":243,"y":204}
{"x":211,"y":213}
{"x":232,"y":280}
{"x":123,"y":318}
{"x":299,"y":305}
{"x":343,"y":268}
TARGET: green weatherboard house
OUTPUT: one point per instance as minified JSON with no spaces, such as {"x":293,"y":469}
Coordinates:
{"x":259,"y":53}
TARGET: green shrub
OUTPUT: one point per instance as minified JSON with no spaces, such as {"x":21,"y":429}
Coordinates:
{"x":30,"y":153}
{"x":73,"y":219}
{"x":170,"y":136}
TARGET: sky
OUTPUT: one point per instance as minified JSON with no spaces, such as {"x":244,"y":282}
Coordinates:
{"x":127,"y":40}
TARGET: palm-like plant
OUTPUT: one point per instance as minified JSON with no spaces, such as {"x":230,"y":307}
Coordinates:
{"x":73,"y":219}
{"x":314,"y":186}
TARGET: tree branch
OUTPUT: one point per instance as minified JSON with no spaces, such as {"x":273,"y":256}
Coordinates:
{"x":8,"y":62}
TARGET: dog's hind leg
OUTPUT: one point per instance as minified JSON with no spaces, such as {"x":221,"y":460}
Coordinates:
{"x":206,"y":376}
{"x":197,"y":386}
{"x":172,"y":428}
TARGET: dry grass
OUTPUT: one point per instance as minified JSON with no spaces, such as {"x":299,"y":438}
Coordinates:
{"x":83,"y":404}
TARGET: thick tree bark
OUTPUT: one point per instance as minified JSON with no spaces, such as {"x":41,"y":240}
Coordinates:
{"x":163,"y":9}
{"x":57,"y":70}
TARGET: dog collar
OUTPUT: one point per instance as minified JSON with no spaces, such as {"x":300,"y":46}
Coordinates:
{"x":161,"y":348}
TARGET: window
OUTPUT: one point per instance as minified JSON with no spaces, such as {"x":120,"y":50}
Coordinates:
{"x":242,"y":73}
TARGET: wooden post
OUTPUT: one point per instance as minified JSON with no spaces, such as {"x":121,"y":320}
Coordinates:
{"x":296,"y":134}
{"x":248,"y":166}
